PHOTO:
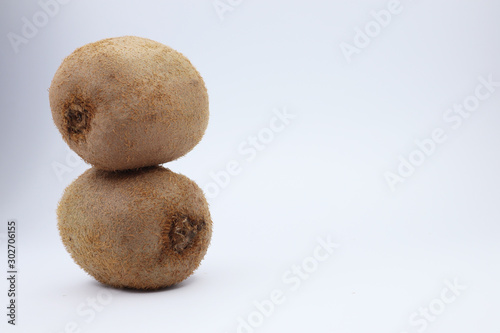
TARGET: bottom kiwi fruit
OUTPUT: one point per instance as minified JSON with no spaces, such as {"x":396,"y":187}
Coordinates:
{"x":144,"y":229}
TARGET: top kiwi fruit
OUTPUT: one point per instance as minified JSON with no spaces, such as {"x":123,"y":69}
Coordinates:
{"x":128,"y":102}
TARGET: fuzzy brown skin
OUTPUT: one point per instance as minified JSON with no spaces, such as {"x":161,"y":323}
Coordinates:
{"x":128,"y":102}
{"x":144,"y":229}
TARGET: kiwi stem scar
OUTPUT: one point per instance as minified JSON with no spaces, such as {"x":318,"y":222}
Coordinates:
{"x":183,"y":231}
{"x":78,"y":121}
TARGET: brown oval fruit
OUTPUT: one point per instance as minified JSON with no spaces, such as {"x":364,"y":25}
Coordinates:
{"x":144,"y":229}
{"x":128,"y":102}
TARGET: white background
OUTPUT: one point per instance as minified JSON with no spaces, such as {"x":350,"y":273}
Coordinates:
{"x":321,"y":176}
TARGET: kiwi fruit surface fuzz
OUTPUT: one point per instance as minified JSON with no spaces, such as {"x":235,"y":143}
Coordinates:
{"x":128,"y":102}
{"x":144,"y":229}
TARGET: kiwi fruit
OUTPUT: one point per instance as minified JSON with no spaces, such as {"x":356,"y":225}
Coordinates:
{"x":147,"y":228}
{"x":128,"y":102}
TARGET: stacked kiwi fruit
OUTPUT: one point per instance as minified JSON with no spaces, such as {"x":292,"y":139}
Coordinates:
{"x":126,"y":105}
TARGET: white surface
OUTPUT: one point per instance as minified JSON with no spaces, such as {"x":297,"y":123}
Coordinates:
{"x":322,"y":175}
